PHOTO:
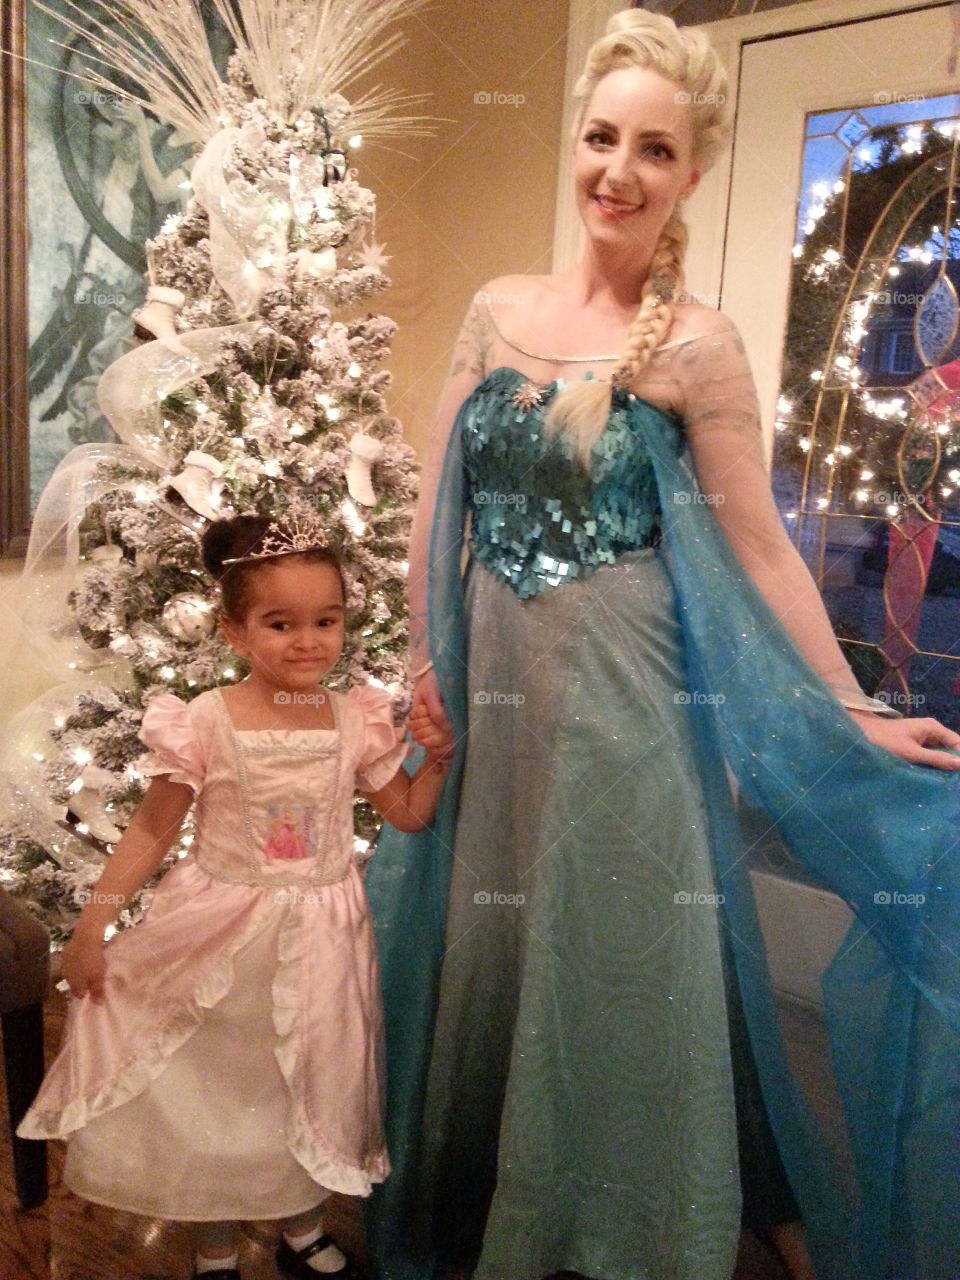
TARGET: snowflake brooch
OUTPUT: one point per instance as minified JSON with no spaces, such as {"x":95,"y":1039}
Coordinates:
{"x":527,"y":396}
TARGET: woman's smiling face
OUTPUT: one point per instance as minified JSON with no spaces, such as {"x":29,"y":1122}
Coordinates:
{"x":633,"y":157}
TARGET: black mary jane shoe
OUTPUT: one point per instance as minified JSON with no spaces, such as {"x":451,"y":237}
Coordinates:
{"x":222,"y":1273}
{"x":295,"y":1263}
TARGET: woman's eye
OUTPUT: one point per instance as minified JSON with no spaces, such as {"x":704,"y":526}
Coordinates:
{"x":598,"y":138}
{"x":659,"y":151}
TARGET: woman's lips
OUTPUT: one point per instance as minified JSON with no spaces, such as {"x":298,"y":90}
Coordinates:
{"x":614,"y":208}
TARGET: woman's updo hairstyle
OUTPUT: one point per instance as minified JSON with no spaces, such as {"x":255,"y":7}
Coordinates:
{"x":636,"y":38}
{"x":240,"y":536}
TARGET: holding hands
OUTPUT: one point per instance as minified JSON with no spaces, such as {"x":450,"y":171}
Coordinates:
{"x":428,"y":720}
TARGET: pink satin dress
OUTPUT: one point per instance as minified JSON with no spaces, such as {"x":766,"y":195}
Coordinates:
{"x":234,"y":1067}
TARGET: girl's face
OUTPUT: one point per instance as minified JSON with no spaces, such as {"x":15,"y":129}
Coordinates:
{"x":633,"y":158}
{"x":292,"y":632}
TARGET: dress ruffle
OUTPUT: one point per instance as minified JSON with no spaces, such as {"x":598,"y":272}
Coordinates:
{"x":176,"y":749}
{"x":382,"y":752}
{"x":130,"y":1076}
{"x":330,"y":1168}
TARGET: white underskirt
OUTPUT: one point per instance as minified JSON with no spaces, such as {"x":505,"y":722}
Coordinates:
{"x":205,"y":1141}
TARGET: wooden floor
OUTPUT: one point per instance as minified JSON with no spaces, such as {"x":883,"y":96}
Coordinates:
{"x":69,"y":1239}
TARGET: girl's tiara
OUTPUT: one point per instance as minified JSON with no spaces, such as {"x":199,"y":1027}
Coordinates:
{"x":299,"y":530}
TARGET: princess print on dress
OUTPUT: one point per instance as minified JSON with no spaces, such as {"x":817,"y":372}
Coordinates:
{"x":291,"y":837}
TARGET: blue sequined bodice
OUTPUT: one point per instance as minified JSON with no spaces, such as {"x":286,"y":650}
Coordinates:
{"x":539,"y":519}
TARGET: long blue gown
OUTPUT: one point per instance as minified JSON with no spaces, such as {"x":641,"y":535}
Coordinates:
{"x":560,"y":1089}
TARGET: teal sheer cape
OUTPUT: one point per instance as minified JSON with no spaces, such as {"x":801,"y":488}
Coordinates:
{"x":882,"y":834}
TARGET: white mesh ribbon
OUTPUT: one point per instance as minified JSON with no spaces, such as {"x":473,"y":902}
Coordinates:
{"x":46,"y":621}
{"x":248,"y":225}
{"x":131,"y":389}
{"x":26,"y":791}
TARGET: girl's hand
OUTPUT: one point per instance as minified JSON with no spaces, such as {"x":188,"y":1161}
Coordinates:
{"x":84,"y":966}
{"x":428,"y":710}
{"x":912,"y":739}
{"x":438,"y":739}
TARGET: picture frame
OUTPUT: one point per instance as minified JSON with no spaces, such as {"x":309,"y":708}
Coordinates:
{"x":14,"y":380}
{"x":89,"y":178}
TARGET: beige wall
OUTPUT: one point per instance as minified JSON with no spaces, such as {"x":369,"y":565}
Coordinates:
{"x":478,"y":199}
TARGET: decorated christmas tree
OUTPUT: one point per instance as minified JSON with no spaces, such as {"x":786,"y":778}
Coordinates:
{"x":259,"y":383}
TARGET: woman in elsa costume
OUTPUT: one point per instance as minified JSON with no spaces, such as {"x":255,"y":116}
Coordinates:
{"x":580,"y":1027}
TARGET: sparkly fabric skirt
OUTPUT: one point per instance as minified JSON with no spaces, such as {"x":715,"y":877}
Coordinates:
{"x":580,"y":1105}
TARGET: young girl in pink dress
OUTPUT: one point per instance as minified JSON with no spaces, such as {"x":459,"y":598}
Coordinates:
{"x":222,"y":1060}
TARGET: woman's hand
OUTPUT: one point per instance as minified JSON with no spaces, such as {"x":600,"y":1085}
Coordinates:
{"x":428,"y":720}
{"x":84,"y":966}
{"x":912,"y":739}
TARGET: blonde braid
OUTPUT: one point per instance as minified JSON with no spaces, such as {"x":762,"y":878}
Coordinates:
{"x":652,"y":320}
{"x":581,"y":410}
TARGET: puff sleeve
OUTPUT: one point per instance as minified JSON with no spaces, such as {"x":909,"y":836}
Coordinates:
{"x":380,"y":751}
{"x":175,"y":747}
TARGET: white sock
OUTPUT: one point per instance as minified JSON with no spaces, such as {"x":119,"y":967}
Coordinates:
{"x":327,"y":1260}
{"x":203,"y":1264}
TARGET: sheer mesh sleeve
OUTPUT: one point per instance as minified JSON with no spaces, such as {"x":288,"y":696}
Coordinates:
{"x":712,"y":389}
{"x":468,"y":368}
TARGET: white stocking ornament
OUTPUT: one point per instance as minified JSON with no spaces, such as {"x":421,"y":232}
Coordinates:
{"x":364,"y":452}
{"x":87,"y":805}
{"x":158,"y":316}
{"x":199,"y":484}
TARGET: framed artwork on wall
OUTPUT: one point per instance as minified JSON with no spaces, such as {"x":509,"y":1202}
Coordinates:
{"x":87,"y":179}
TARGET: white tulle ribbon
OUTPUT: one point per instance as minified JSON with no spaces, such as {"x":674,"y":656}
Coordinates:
{"x":249,"y":225}
{"x":132,"y":388}
{"x":50,"y":572}
{"x":27,"y":799}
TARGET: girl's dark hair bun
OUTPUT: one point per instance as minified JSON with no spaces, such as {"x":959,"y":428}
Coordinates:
{"x":229,"y":540}
{"x":239,"y":536}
